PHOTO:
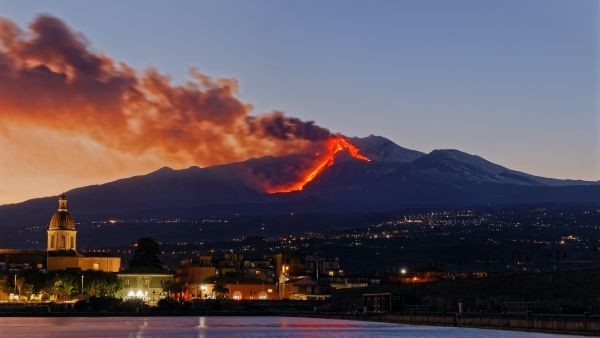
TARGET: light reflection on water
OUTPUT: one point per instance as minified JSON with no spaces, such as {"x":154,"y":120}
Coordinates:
{"x":233,"y":327}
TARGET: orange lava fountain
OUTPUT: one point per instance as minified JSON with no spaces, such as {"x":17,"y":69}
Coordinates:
{"x":335,"y":144}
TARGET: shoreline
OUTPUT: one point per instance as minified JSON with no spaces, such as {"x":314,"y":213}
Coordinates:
{"x":580,"y":325}
{"x":573,"y":326}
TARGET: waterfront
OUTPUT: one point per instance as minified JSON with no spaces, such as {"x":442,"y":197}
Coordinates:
{"x":229,"y":326}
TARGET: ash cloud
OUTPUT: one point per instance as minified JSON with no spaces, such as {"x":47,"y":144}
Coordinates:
{"x":51,"y":78}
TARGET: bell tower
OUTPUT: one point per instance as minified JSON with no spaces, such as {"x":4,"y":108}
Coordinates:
{"x":61,"y":230}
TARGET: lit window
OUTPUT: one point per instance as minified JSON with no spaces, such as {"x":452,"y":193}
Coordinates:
{"x":237,"y":295}
{"x":96,"y":266}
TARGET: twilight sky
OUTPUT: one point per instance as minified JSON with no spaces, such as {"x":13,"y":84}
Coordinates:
{"x":515,"y":82}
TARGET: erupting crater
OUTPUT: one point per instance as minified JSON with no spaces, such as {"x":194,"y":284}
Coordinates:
{"x":335,"y":144}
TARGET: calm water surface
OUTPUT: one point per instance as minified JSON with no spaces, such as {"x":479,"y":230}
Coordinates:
{"x":233,"y":327}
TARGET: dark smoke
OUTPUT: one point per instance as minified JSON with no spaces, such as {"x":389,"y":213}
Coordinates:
{"x":51,"y":78}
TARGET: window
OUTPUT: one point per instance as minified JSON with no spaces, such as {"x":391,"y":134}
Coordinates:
{"x":95,"y":266}
{"x":53,"y":242}
{"x":72,"y":242}
{"x":263,"y":295}
{"x":237,"y":295}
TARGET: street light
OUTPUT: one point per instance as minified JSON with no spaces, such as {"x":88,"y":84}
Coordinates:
{"x":283,"y":277}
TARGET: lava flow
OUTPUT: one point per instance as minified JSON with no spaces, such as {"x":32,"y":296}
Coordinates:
{"x":335,"y":144}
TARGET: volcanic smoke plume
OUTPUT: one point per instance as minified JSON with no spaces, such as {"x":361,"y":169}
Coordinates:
{"x":50,"y":78}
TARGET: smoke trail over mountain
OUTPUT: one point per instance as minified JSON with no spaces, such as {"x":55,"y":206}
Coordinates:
{"x":51,"y":78}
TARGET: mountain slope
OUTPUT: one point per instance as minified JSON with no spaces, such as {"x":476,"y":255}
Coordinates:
{"x":395,"y":178}
{"x":455,"y":164}
{"x":379,"y":148}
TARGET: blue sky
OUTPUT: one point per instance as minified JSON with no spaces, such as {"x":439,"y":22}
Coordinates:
{"x":516,"y":82}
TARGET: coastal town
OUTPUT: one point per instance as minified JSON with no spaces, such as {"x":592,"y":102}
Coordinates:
{"x":339,"y":169}
{"x":288,"y":276}
{"x":285,"y":275}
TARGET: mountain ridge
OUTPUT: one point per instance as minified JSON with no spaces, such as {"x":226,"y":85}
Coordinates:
{"x":396,"y":178}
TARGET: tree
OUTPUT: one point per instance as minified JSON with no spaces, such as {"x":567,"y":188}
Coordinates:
{"x":63,"y":286}
{"x":20,"y":282}
{"x":27,"y":290}
{"x":101,"y":284}
{"x":4,"y":286}
{"x":35,"y":282}
{"x":146,"y":254}
{"x":219,"y":290}
{"x":175,"y":288}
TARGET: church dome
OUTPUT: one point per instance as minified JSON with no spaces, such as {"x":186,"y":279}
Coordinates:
{"x":62,"y":220}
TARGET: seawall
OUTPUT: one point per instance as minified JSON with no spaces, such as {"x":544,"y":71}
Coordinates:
{"x":577,"y":324}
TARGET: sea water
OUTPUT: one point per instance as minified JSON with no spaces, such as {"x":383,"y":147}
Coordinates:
{"x":234,"y":327}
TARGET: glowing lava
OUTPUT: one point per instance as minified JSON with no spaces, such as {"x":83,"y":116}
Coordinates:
{"x":335,"y":144}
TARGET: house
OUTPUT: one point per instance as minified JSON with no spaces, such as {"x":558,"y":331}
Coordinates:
{"x":145,"y":283}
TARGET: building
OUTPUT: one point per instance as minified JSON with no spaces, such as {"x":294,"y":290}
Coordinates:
{"x":229,"y":264}
{"x":377,"y":302}
{"x":323,"y":266}
{"x":13,"y":260}
{"x":290,"y":264}
{"x":296,"y":264}
{"x":239,"y":288}
{"x":245,"y":276}
{"x":62,"y":245}
{"x":348,"y":282}
{"x":306,"y":277}
{"x":289,"y":275}
{"x":61,"y":249}
{"x":71,"y":259}
{"x":257,"y":268}
{"x":299,"y":288}
{"x":146,"y":284}
{"x":193,"y":272}
{"x":62,"y":235}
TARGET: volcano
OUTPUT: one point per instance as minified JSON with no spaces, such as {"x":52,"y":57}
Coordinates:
{"x":322,"y":161}
{"x":370,"y":174}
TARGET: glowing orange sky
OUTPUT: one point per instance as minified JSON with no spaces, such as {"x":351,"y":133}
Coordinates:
{"x":38,"y":162}
{"x":71,"y":116}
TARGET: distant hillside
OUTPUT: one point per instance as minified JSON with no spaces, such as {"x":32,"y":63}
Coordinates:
{"x":396,"y":178}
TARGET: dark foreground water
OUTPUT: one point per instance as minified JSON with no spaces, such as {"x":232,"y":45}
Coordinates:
{"x":234,"y":327}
